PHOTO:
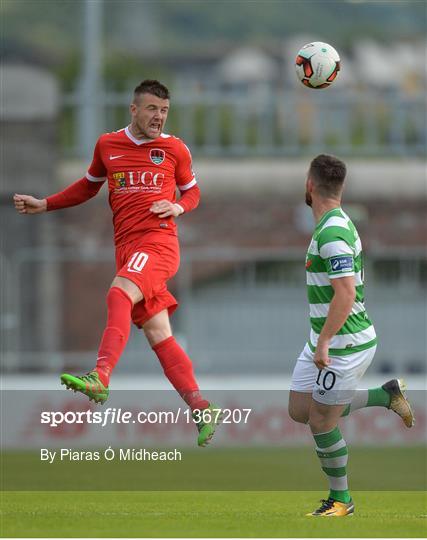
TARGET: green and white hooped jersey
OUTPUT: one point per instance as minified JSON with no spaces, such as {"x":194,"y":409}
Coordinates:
{"x":336,"y":251}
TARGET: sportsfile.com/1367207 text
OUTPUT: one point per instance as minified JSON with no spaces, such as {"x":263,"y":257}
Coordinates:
{"x":114,"y":415}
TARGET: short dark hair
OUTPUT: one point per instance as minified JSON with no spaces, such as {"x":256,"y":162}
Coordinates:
{"x":328,"y":174}
{"x":151,"y":86}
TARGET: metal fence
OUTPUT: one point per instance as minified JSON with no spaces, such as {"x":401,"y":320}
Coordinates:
{"x":242,"y":310}
{"x":269,"y":122}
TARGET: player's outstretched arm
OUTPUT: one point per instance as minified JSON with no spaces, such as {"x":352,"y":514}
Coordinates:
{"x":27,"y":204}
{"x":77,"y":193}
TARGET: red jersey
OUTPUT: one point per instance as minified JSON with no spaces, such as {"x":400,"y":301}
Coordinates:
{"x":140,"y":172}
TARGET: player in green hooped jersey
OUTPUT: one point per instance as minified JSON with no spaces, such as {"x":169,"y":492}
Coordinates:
{"x":342,"y":340}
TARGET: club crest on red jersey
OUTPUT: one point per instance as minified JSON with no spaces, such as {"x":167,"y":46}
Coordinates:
{"x":157,"y":156}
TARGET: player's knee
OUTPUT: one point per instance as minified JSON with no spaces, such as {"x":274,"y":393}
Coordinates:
{"x":129,"y":288}
{"x":297,"y":415}
{"x":157,"y":334}
{"x":299,"y":407}
{"x":158,"y":328}
{"x":320,"y":423}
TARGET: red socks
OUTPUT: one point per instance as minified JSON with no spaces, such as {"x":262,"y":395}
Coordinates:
{"x":116,"y":333}
{"x":175,"y":362}
{"x":179,"y":370}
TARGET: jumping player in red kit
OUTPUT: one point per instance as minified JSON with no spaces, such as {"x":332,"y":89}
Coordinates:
{"x":142,"y":167}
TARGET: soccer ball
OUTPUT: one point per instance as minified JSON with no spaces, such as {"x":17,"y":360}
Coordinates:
{"x":317,"y":65}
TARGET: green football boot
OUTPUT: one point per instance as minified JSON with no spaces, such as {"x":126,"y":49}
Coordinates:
{"x":88,"y":384}
{"x":207,"y":420}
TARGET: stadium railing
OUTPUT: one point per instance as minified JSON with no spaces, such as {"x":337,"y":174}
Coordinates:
{"x":269,"y":122}
{"x":241,"y":310}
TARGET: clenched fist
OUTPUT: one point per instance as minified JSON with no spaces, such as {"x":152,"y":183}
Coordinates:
{"x":26,"y":204}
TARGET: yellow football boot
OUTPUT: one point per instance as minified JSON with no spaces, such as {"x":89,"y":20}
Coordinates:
{"x":399,"y":403}
{"x":332,"y":508}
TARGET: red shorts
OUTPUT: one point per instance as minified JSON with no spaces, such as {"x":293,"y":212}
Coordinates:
{"x":149,"y":265}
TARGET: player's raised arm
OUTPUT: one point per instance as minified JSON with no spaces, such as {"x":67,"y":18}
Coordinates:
{"x":77,"y":193}
{"x":85,"y":188}
{"x":27,"y":204}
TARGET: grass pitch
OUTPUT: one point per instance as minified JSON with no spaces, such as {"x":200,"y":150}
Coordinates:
{"x":42,"y":500}
{"x":218,"y":469}
{"x":207,"y":514}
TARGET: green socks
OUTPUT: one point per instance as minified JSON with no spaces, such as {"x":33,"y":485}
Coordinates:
{"x":374,"y":397}
{"x":332,"y":451}
{"x":341,"y":496}
{"x":378,"y":397}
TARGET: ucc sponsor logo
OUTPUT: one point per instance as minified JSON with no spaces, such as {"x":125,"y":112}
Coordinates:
{"x":147,"y":179}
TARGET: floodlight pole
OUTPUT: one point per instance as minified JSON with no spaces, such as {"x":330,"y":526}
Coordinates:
{"x":90,"y":109}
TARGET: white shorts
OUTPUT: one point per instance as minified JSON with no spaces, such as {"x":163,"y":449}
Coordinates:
{"x":336,"y":384}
